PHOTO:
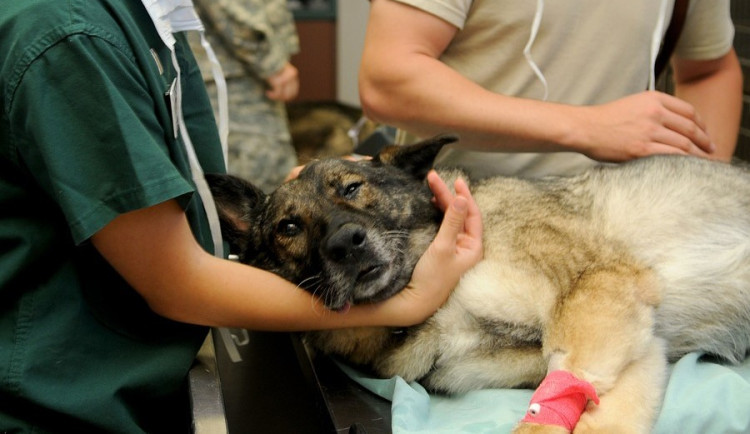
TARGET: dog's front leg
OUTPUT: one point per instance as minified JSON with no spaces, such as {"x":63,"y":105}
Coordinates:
{"x":599,"y":343}
{"x":632,"y":404}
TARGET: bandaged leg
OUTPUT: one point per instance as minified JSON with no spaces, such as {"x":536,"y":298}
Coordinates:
{"x":601,"y":327}
{"x":560,"y":400}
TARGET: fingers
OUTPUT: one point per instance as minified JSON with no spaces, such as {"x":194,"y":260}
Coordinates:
{"x":456,"y":248}
{"x":669,"y":141}
{"x":473,"y":223}
{"x":356,"y":157}
{"x":447,"y":240}
{"x":644,"y":124}
{"x":294,"y":173}
{"x":282,"y":92}
{"x":284,"y":85}
{"x":443,"y":195}
{"x":682,"y":108}
{"x":462,"y":222}
{"x":455,"y":216}
{"x":682,"y":119}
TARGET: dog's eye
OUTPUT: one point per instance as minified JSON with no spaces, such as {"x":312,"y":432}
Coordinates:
{"x":288,"y":228}
{"x":350,"y":190}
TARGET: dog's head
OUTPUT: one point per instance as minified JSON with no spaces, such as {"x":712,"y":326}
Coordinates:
{"x":347,"y":231}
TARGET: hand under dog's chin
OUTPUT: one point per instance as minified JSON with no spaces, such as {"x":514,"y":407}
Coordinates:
{"x":384,"y":290}
{"x":374,"y":286}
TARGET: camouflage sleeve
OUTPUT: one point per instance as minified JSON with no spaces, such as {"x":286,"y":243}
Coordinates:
{"x":259,"y":33}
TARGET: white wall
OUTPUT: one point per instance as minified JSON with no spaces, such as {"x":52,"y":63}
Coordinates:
{"x":351,"y":21}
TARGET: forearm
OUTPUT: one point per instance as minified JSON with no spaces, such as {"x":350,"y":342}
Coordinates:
{"x":155,"y":252}
{"x":717,"y":96}
{"x":403,"y":83}
{"x":443,"y":101}
{"x":227,"y":294}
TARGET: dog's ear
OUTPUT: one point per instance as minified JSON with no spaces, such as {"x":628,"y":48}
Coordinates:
{"x":416,"y":159}
{"x":236,"y":202}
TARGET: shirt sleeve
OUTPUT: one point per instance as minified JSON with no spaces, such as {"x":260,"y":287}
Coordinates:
{"x":454,"y":12}
{"x":84,"y":124}
{"x":708,"y":32}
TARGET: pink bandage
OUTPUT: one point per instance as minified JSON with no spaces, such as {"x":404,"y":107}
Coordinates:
{"x":560,"y":400}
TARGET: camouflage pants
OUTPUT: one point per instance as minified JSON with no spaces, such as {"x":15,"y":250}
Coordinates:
{"x":260,"y":145}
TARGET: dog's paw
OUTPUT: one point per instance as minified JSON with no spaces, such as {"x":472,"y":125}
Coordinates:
{"x":589,"y":425}
{"x":535,"y":428}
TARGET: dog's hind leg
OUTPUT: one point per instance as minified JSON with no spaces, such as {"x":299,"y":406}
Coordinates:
{"x":601,"y":331}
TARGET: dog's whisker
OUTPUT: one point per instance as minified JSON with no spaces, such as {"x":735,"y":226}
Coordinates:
{"x":315,"y":289}
{"x":311,"y":281}
{"x":397,"y":231}
{"x":313,"y":285}
{"x":319,"y":293}
{"x":396,"y":234}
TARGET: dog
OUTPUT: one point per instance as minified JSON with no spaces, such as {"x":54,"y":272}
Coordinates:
{"x":606,"y":275}
{"x":323,"y":129}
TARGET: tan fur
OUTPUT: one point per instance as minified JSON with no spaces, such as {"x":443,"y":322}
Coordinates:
{"x":321,"y":129}
{"x":566,"y":265}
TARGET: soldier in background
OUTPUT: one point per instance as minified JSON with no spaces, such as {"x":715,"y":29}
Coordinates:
{"x":254,"y":41}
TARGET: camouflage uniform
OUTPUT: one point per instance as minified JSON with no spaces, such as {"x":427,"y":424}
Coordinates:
{"x":253,"y":40}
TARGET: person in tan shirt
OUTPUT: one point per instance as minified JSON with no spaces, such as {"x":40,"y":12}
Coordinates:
{"x":551,"y":87}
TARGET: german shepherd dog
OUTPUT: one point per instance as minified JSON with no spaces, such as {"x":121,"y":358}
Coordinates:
{"x":606,"y":275}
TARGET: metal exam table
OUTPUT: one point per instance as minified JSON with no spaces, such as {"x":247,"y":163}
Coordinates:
{"x":270,"y":383}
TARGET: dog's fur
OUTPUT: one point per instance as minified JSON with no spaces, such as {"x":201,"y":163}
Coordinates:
{"x":607,"y":275}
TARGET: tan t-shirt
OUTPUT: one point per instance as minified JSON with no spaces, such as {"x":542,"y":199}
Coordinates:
{"x":588,"y":51}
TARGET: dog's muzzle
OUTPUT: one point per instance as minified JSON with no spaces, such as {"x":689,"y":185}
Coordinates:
{"x":346,"y":243}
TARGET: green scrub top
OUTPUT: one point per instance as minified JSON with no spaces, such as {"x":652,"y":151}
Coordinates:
{"x":86,"y":134}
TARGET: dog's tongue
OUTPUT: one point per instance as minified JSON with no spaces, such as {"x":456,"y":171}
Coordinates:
{"x":344,"y":308}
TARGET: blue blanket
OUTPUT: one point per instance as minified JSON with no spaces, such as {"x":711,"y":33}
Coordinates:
{"x":701,"y":397}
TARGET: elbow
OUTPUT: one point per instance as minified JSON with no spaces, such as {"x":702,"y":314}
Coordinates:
{"x":172,"y":305}
{"x":374,"y":102}
{"x":382,"y":95}
{"x":165,"y":309}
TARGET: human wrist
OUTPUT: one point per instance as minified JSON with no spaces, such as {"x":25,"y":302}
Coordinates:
{"x":571,"y":129}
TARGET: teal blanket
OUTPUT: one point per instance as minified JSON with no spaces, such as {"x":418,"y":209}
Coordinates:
{"x":702,"y":398}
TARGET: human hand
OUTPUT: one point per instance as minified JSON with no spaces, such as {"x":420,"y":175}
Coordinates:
{"x":297,"y":169}
{"x":284,"y":85}
{"x":294,"y":173}
{"x":456,"y":248}
{"x":642,"y":124}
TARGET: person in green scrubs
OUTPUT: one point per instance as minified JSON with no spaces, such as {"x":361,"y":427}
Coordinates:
{"x":108,"y":282}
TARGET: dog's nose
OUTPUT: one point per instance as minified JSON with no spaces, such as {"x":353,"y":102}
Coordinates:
{"x":345,"y":241}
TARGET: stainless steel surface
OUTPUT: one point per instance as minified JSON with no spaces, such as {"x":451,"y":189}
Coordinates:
{"x":205,"y":392}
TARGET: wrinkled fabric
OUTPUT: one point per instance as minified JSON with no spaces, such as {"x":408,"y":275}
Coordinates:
{"x":86,"y":135}
{"x":701,"y":397}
